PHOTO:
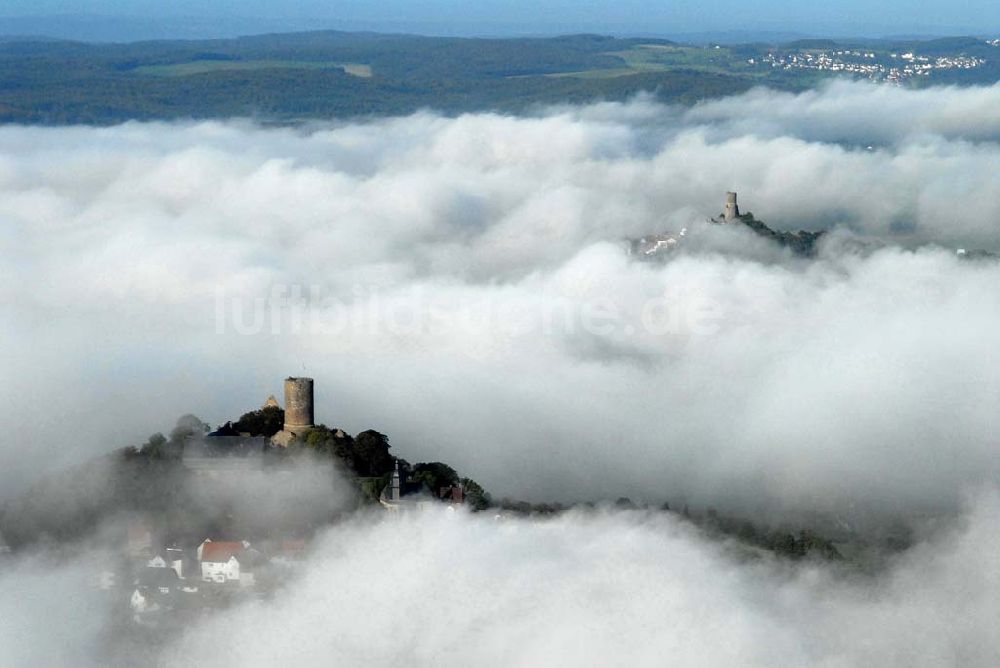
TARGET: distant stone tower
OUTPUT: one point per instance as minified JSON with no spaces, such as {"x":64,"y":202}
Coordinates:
{"x":298,"y":405}
{"x":732,"y":209}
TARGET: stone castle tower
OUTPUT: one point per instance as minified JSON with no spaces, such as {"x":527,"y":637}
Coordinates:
{"x":299,"y":416}
{"x":732,"y":209}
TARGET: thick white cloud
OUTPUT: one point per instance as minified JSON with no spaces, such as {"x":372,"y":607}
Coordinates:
{"x":582,"y":589}
{"x":597,"y":588}
{"x":469,"y":296}
{"x":617,"y":589}
{"x":51,"y":617}
{"x":861,"y":113}
{"x":458,"y":247}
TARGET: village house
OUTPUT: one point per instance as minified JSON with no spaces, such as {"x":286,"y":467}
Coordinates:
{"x":171,"y":557}
{"x":153,"y":594}
{"x":225,"y":562}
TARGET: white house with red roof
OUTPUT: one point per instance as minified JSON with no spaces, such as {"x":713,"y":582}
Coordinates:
{"x":224,"y":561}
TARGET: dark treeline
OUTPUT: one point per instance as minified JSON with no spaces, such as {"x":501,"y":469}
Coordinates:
{"x":159,"y":480}
{"x":152,"y":480}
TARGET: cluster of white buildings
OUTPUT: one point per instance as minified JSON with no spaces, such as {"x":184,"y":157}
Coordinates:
{"x":865,"y":63}
{"x":653,"y":244}
{"x":172,"y":579}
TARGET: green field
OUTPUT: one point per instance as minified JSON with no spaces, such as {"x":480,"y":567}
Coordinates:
{"x":206,"y":66}
{"x":645,"y":58}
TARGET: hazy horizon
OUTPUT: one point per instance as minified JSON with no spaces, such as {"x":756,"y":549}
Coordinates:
{"x":137,"y":20}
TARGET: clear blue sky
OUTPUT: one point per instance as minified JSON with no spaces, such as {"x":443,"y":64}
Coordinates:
{"x":835,"y":16}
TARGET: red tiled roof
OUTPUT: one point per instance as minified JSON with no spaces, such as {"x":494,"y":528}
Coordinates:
{"x":221,"y":551}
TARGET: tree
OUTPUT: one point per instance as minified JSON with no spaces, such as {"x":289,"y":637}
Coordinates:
{"x":786,"y":545}
{"x":266,"y":421}
{"x":188,"y":425}
{"x":320,"y":439}
{"x":747,"y":532}
{"x":371,"y":454}
{"x":475,"y":496}
{"x":154,"y":448}
{"x":342,"y":447}
{"x":436,"y":475}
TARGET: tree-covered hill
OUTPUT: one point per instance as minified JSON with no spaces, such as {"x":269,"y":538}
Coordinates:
{"x":311,"y":75}
{"x":292,"y":77}
{"x":161,"y":483}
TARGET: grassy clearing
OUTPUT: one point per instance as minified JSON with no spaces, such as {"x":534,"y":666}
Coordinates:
{"x":663,"y":58}
{"x":648,"y":57}
{"x":205,"y":66}
{"x":610,"y":73}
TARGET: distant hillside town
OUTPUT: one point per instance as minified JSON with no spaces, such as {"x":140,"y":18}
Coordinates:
{"x":894,"y":68}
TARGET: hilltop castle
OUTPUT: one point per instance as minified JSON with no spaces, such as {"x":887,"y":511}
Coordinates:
{"x":732,"y":211}
{"x":299,"y":411}
{"x":226,"y":449}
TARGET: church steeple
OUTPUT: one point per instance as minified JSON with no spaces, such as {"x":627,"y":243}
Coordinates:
{"x":394,"y":494}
